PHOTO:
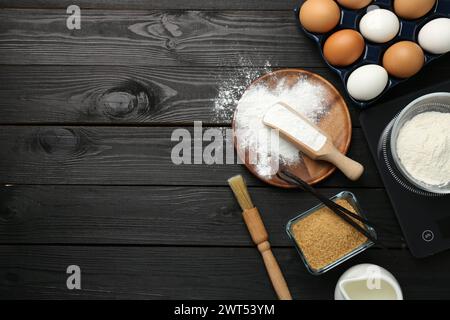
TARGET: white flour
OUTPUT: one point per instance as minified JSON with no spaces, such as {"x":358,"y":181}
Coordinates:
{"x":284,"y":119}
{"x":423,"y":146}
{"x":305,"y":97}
{"x":232,"y":85}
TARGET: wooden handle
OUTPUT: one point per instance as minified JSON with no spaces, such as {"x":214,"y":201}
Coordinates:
{"x":260,"y":237}
{"x":352,"y":169}
{"x":274,"y":271}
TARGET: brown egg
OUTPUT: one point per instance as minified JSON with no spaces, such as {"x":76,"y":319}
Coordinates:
{"x":319,"y":16}
{"x":413,"y":9}
{"x":343,"y":48}
{"x":403,"y":59}
{"x":354,"y":4}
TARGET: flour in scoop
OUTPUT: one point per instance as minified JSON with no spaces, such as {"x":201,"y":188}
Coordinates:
{"x":423,"y":146}
{"x":280,"y":117}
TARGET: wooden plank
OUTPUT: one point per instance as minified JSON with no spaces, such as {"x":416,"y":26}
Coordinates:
{"x":131,"y":95}
{"x":150,"y":95}
{"x":127,"y":155}
{"x":155,"y":38}
{"x":160,"y":215}
{"x":156,"y":4}
{"x":195,"y":273}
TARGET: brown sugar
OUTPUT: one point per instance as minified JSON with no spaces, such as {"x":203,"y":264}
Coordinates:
{"x":324,"y":237}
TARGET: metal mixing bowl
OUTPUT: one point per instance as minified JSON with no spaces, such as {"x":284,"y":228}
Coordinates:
{"x":440,"y":102}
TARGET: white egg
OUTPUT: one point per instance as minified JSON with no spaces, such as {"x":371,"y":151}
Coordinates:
{"x":367,"y":82}
{"x":379,"y":25}
{"x":434,"y":37}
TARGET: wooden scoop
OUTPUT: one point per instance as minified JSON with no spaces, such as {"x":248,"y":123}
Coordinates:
{"x":309,"y":138}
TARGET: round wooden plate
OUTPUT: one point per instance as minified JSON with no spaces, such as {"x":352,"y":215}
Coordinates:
{"x":336,"y":123}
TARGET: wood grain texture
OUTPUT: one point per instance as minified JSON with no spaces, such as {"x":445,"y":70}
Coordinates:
{"x":155,"y":38}
{"x":156,"y":4}
{"x":195,"y":273}
{"x":121,"y":94}
{"x":127,"y":155}
{"x":85,"y":123}
{"x":160,"y":215}
{"x":150,"y":95}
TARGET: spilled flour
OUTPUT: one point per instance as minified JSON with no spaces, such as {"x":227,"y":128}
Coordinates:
{"x":233,"y":85}
{"x":304,"y":96}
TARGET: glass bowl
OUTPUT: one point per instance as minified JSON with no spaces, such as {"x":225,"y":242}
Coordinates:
{"x":351,"y":199}
{"x":439,"y":102}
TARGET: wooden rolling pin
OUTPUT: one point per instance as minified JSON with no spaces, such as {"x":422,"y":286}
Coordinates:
{"x":300,"y":131}
{"x":259,"y":236}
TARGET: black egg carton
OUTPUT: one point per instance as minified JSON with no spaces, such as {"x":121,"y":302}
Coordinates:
{"x":373,"y":53}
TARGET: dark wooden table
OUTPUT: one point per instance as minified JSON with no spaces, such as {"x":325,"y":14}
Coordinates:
{"x":86,"y":176}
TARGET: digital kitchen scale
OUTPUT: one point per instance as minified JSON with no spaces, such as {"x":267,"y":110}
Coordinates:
{"x":424,"y":217}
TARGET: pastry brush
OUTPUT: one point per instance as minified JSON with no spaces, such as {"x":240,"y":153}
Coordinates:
{"x":259,"y":236}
